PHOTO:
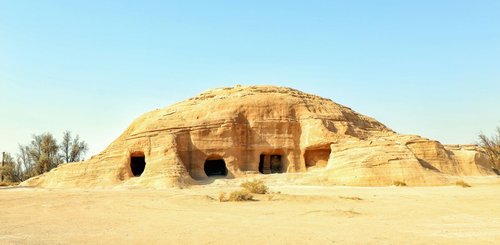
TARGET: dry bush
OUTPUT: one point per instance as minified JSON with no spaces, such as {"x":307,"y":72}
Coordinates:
{"x":491,"y":146}
{"x":255,"y":186}
{"x":240,"y":196}
{"x":222,"y":197}
{"x":462,"y":184}
{"x":399,"y":183}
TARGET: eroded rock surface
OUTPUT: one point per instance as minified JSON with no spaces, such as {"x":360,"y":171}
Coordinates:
{"x":241,"y":130}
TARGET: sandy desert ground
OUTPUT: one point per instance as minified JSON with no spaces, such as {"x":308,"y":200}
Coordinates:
{"x":298,"y":215}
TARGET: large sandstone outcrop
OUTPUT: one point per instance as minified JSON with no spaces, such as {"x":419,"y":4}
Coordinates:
{"x":265,"y":129}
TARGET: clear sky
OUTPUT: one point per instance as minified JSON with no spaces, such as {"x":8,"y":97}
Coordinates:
{"x":421,"y":67}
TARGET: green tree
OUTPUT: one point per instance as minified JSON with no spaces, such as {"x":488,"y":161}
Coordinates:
{"x":41,"y":155}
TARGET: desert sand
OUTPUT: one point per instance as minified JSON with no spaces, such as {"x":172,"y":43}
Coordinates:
{"x":298,"y":214}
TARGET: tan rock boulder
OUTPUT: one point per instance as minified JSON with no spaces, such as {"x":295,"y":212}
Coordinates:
{"x":470,"y":159}
{"x":237,"y":131}
{"x":379,"y":161}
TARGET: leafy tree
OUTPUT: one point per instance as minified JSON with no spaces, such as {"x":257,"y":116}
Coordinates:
{"x":43,"y":150}
{"x":73,"y":150}
{"x":491,"y":146}
{"x":41,"y":155}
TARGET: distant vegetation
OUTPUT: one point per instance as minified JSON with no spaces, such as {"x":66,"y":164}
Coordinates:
{"x":41,"y":155}
{"x":491,"y":146}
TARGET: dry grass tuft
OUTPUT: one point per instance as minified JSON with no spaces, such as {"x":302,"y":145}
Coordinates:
{"x":222,"y":197}
{"x":462,"y":184}
{"x":399,"y":183}
{"x":245,"y":194}
{"x":240,"y":196}
{"x":236,"y":196}
{"x":351,"y":198}
{"x":255,"y":186}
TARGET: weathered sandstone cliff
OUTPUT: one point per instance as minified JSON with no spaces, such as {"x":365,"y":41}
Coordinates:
{"x":239,"y":131}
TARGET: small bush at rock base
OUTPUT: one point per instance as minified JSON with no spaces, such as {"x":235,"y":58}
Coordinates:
{"x":255,"y":186}
{"x":240,"y":196}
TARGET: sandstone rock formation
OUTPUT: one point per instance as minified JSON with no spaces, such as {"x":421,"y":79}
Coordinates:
{"x":239,"y":131}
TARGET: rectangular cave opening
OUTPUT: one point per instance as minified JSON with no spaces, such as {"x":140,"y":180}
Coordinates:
{"x":270,"y":164}
{"x":276,"y":164}
{"x":317,"y":157}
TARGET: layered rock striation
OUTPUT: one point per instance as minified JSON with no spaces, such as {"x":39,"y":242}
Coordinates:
{"x":242,"y":130}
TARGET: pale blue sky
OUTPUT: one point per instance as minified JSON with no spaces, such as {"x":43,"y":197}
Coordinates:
{"x":420,"y":67}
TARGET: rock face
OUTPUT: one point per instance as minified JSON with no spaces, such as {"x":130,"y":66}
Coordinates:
{"x":239,"y":131}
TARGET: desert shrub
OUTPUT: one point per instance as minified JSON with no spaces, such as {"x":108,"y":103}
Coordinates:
{"x":255,"y":186}
{"x":222,"y":197}
{"x":491,"y":146}
{"x":399,"y":183}
{"x":462,"y":184}
{"x":240,"y":195}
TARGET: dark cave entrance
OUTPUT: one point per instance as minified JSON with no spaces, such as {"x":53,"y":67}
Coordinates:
{"x":137,"y":164}
{"x":261,"y":163}
{"x":270,"y":164}
{"x":215,"y":167}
